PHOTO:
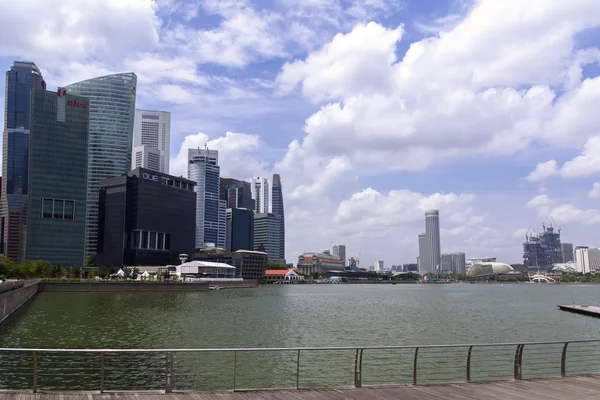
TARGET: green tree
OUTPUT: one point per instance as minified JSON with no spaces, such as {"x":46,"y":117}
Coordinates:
{"x":6,"y":265}
{"x":134,"y":273}
{"x":90,"y":260}
{"x":276,"y":265}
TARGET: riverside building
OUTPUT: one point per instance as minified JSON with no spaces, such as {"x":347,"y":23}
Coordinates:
{"x":248,"y":264}
{"x":146,"y":218}
{"x":58,"y":161}
{"x":267,"y":235}
{"x":319,"y":263}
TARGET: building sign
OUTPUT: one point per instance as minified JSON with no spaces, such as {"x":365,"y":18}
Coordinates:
{"x":61,"y":92}
{"x":152,"y":178}
{"x":74,"y":103}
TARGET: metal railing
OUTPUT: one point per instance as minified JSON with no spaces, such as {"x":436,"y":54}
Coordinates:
{"x":303,"y":367}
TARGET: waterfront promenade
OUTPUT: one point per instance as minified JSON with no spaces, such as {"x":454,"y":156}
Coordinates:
{"x":581,"y":388}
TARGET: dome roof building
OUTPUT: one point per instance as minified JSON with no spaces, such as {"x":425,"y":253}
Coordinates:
{"x":489,"y":268}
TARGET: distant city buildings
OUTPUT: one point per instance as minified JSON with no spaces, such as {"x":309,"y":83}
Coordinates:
{"x":567,"y":252}
{"x":379,"y":266}
{"x":21,"y":78}
{"x":58,"y":163}
{"x":458,"y":261}
{"x":151,"y":140}
{"x":587,"y":259}
{"x":543,"y":250}
{"x":318,"y":263}
{"x":339,"y":250}
{"x":112,"y":111}
{"x":432,"y":230}
{"x":260,"y":194}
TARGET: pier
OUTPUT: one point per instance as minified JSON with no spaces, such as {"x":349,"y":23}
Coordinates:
{"x":591,"y":311}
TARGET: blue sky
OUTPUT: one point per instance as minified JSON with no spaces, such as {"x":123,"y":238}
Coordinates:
{"x":372,"y":111}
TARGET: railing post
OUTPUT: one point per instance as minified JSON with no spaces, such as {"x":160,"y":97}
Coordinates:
{"x":35,"y":372}
{"x":518,"y":370}
{"x":358,"y":368}
{"x":415,"y":365}
{"x":101,"y":372}
{"x":234,"y":368}
{"x":563,"y":360}
{"x":169,"y":372}
{"x":469,"y":364}
{"x":298,"y":371}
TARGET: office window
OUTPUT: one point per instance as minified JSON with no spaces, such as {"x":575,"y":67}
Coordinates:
{"x":152,"y":241}
{"x":167,"y":241}
{"x":58,"y":209}
{"x":47,"y":208}
{"x":161,"y":241}
{"x":136,"y":240}
{"x":144,"y":240}
{"x":69,"y":209}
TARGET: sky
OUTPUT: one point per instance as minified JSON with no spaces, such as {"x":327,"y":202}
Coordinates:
{"x":372,"y":111}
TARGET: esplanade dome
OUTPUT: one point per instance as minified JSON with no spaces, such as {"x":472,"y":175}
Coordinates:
{"x":489,"y":268}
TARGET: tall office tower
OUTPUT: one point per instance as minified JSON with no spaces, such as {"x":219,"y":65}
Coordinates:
{"x":58,"y":163}
{"x":277,"y":205}
{"x":240,"y":229}
{"x":567,"y":252}
{"x":260,"y":194}
{"x":112,"y":109}
{"x":203,"y":168}
{"x":145,"y":157}
{"x":152,"y":130}
{"x":424,"y":267}
{"x":237,"y":194}
{"x":266,"y":235}
{"x":339,"y":250}
{"x":458,"y":263}
{"x":432,"y":230}
{"x":379,"y":266}
{"x":20,"y":79}
{"x":446,"y":263}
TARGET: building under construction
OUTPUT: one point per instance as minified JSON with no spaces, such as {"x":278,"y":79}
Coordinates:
{"x":542,"y":250}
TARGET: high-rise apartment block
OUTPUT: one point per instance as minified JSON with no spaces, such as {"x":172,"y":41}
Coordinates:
{"x":432,"y":230}
{"x":151,"y":138}
{"x":587,"y":259}
{"x":112,"y":110}
{"x":266,"y":235}
{"x":278,"y":211}
{"x":567,"y":252}
{"x":379,"y":266}
{"x":260,"y":194}
{"x":423,"y":262}
{"x":58,"y":162}
{"x":21,"y":78}
{"x":339,"y":250}
{"x":203,"y":168}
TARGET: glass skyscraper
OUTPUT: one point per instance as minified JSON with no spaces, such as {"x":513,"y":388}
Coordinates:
{"x":20,"y":79}
{"x":278,"y":212}
{"x":58,"y":163}
{"x":112,"y":111}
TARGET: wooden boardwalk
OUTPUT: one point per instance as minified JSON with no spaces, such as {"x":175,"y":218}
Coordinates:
{"x":580,"y":388}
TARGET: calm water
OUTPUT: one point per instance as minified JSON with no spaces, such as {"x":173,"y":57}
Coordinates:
{"x":302,"y":315}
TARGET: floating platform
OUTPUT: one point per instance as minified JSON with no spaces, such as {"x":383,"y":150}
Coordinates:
{"x":592,"y":311}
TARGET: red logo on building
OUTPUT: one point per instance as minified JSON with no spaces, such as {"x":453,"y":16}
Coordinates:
{"x":61,"y":92}
{"x":74,"y":103}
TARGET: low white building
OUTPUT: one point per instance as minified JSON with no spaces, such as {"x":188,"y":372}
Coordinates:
{"x":205,"y":271}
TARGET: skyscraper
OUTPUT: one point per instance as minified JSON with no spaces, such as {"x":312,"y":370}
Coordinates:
{"x":240,"y":229}
{"x":112,"y":110}
{"x":58,"y":162}
{"x":339,"y":250}
{"x":20,"y":79}
{"x":260,"y":194}
{"x":266,"y":235}
{"x":567,"y":252}
{"x":203,"y":168}
{"x":277,"y":199}
{"x":458,"y":263}
{"x":445,"y":263}
{"x":424,"y":267}
{"x":379,"y":266}
{"x":152,"y":130}
{"x":432,"y":230}
{"x":237,"y":194}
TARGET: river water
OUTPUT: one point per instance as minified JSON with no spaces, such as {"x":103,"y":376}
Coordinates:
{"x":302,"y":315}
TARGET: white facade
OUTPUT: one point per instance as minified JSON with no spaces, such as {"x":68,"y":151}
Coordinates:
{"x":260,"y":194}
{"x":432,"y":230}
{"x":424,"y":267}
{"x":153,"y":129}
{"x":587,"y":259}
{"x":146,"y":157}
{"x":379,"y":265}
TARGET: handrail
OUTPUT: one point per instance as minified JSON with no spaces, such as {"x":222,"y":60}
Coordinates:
{"x":147,"y":369}
{"x":330,"y":348}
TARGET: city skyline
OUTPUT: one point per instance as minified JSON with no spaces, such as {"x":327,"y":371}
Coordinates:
{"x":272,"y":105}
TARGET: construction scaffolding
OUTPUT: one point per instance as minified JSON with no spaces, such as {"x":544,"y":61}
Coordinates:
{"x":544,"y":249}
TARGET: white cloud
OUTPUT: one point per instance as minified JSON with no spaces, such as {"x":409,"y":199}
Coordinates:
{"x":595,"y":192}
{"x":563,"y":213}
{"x":543,"y":170}
{"x":520,"y":233}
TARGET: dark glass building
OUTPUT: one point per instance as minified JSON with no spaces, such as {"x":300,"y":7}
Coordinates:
{"x":240,"y":229}
{"x":58,"y":157}
{"x":248,"y":264}
{"x":237,"y":194}
{"x":146,"y":218}
{"x":20,"y":79}
{"x":277,"y":208}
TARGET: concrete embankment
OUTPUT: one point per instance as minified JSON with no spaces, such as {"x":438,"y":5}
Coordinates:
{"x":121,"y":287}
{"x":12,"y":299}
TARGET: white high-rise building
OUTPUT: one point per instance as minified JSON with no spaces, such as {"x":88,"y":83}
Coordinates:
{"x":203,"y":169}
{"x":145,"y":157}
{"x":379,"y":266}
{"x":152,"y":129}
{"x":260,"y":194}
{"x":423,"y":255}
{"x":432,"y":230}
{"x":587,"y":259}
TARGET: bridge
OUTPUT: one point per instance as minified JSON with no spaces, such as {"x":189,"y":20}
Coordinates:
{"x":360,"y":372}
